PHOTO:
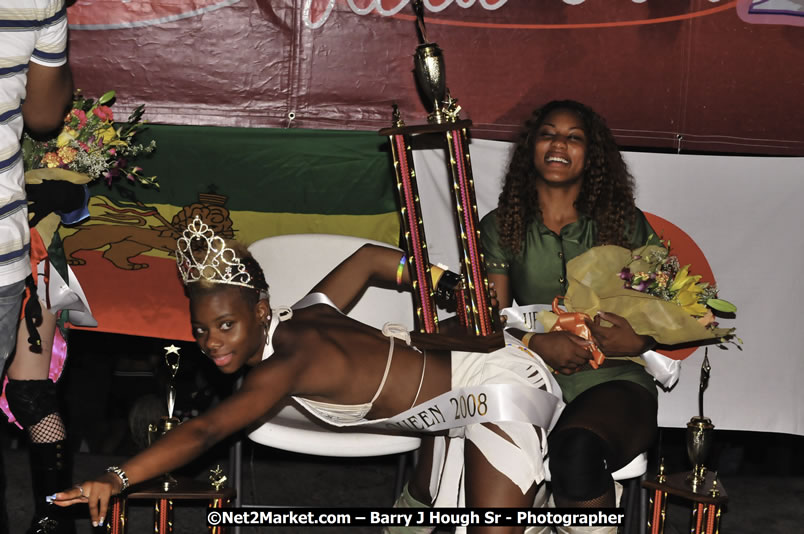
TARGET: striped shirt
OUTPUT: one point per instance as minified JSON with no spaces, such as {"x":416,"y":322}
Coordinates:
{"x":30,"y":30}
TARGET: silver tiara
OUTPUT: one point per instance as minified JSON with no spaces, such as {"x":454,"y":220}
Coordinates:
{"x":201,"y":255}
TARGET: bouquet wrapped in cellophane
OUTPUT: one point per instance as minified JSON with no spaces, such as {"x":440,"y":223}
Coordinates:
{"x":649,"y":289}
{"x":90,"y":146}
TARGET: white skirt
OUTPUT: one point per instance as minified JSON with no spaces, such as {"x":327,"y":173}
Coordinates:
{"x":521,"y":459}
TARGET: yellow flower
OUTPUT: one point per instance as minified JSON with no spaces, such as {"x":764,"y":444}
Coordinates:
{"x":66,"y":135}
{"x":687,"y":291}
{"x":67,"y":154}
{"x":51,"y":159}
{"x":107,"y":135}
{"x":687,"y":298}
{"x":683,"y":279}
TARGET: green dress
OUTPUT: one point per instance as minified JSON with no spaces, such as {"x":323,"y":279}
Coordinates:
{"x":538,"y":274}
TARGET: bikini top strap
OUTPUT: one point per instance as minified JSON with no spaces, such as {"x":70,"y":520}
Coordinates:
{"x":391,"y":331}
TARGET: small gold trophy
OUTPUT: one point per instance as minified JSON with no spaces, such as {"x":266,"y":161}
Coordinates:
{"x":167,"y":423}
{"x":216,"y":478}
{"x":699,"y":433}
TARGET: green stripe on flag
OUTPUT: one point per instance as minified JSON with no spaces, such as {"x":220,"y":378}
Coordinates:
{"x":326,"y":172}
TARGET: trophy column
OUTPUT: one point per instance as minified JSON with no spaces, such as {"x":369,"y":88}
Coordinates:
{"x":163,"y":516}
{"x":413,"y":224}
{"x":118,"y":516}
{"x":474,"y":301}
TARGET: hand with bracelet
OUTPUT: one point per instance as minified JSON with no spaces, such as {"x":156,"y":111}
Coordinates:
{"x":96,"y":493}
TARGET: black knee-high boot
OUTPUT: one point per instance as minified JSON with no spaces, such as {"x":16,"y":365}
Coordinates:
{"x":50,"y":472}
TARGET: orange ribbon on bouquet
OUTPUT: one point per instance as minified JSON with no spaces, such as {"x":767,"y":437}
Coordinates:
{"x":575,"y":323}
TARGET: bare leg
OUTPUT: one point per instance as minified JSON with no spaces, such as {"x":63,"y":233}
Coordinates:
{"x":29,"y":365}
{"x":486,"y":487}
{"x":419,"y":484}
{"x":33,"y":400}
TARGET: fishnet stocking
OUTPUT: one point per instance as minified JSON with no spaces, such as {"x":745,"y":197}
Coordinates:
{"x":49,"y":429}
{"x":604,"y":501}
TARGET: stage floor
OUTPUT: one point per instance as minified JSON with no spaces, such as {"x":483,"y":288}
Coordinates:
{"x":757,"y":503}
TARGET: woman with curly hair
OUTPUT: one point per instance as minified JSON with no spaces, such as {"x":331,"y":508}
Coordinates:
{"x":566,"y":190}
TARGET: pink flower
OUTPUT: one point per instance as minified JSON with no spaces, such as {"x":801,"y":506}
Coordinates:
{"x":80,"y":115}
{"x":104,"y":113}
{"x":110,"y":175}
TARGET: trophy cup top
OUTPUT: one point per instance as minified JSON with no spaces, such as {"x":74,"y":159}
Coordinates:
{"x":431,"y":77}
{"x":427,"y":50}
{"x":702,"y":422}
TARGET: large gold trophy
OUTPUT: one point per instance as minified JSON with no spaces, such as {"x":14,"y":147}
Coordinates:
{"x":473,"y":301}
{"x":168,"y":422}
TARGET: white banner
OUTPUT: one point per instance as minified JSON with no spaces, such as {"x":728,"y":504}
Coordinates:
{"x":491,"y":403}
{"x":745,"y":214}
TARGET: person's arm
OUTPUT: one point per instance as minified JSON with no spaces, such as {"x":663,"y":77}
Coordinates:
{"x":502,"y":289}
{"x":263,"y":388}
{"x":49,"y":86}
{"x":368,"y":264}
{"x":619,"y":339}
{"x":563,"y":351}
{"x":49,"y":94}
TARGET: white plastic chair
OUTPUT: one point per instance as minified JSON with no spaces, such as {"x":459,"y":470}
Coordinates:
{"x":293,"y":264}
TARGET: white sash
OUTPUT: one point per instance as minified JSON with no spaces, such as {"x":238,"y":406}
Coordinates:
{"x":665,"y":370}
{"x":492,"y":403}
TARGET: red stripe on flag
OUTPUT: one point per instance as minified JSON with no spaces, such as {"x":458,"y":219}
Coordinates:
{"x":146,"y":302}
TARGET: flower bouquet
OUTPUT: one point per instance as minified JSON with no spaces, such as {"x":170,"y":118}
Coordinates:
{"x":89,"y":146}
{"x":649,"y":289}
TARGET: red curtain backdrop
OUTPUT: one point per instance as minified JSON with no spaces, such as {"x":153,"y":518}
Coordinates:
{"x":692,"y":75}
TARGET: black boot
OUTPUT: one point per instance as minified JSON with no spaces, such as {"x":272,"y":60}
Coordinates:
{"x":50,"y":473}
{"x":3,"y":514}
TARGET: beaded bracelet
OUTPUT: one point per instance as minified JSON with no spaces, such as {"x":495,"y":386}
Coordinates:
{"x":121,"y":475}
{"x":447,"y":283}
{"x":401,"y":268}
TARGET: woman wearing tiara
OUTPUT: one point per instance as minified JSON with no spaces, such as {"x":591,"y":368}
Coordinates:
{"x":347,"y":373}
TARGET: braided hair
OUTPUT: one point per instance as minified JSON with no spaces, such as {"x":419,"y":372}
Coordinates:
{"x":607,"y":189}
